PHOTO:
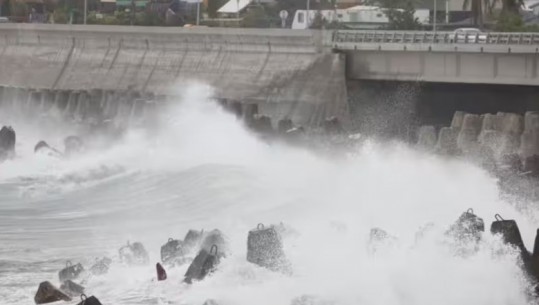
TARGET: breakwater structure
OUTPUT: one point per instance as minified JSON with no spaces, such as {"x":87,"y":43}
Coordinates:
{"x":101,"y":72}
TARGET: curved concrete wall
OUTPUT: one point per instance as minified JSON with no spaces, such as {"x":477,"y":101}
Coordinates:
{"x":288,"y":73}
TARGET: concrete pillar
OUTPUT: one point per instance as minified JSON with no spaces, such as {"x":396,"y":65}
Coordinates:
{"x":426,"y":137}
{"x":447,"y":141}
{"x":458,"y":117}
{"x":21,"y":100}
{"x":82,"y":107}
{"x":510,"y":123}
{"x":249,"y":112}
{"x":511,"y":126}
{"x":111,"y":105}
{"x":235,"y":108}
{"x":47,"y":100}
{"x":284,"y":125}
{"x":35,"y":102}
{"x":529,"y":141}
{"x":2,"y":89}
{"x":72,"y":103}
{"x":10,"y":94}
{"x":489,"y":137}
{"x":467,"y":138}
{"x":95,"y":108}
{"x":61,"y":100}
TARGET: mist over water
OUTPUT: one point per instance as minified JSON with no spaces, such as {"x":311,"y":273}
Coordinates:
{"x":201,"y":169}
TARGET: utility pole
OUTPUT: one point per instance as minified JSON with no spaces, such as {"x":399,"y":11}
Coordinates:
{"x":308,"y":14}
{"x":238,"y":11}
{"x":85,"y":10}
{"x":198,"y":12}
{"x":447,"y":11}
{"x":132,"y":12}
{"x":435,"y":15}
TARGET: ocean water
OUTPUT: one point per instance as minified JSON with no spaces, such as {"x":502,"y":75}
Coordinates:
{"x":200,"y":168}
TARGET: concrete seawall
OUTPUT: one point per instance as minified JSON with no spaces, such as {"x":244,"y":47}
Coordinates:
{"x":287,"y":73}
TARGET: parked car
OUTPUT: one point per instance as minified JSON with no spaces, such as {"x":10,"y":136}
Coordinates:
{"x":469,"y":35}
{"x":4,"y":19}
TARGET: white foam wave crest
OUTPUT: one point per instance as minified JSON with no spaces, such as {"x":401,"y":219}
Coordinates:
{"x":203,"y":169}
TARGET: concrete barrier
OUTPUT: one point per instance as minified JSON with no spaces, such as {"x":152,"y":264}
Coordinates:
{"x":529,"y":141}
{"x":447,"y":141}
{"x":427,"y":137}
{"x":289,"y":73}
{"x":458,"y":117}
{"x":469,"y":132}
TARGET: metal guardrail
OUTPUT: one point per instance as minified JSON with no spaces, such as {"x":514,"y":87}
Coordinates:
{"x":351,"y":36}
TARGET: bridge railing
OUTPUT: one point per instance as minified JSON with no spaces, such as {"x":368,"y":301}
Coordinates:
{"x":353,"y":36}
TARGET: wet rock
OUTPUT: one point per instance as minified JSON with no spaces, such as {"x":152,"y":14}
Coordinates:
{"x":70,"y":272}
{"x":134,"y":254}
{"x":161,"y":273}
{"x":426,"y":137}
{"x":72,"y":289}
{"x":265,"y":249}
{"x":47,"y":293}
{"x":172,"y":252}
{"x":73,"y":145}
{"x":89,"y":300}
{"x":468,"y":227}
{"x":8,"y":139}
{"x":101,"y":266}
{"x":204,"y":263}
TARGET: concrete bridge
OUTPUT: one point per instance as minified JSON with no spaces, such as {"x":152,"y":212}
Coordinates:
{"x":493,"y":58}
{"x":296,"y":74}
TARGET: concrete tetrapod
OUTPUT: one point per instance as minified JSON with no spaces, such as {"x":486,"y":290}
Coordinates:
{"x":47,"y":293}
{"x":426,"y":137}
{"x":458,"y":117}
{"x":265,"y":249}
{"x":467,"y":137}
{"x":89,"y":300}
{"x":468,"y":227}
{"x":172,"y":252}
{"x":204,"y":263}
{"x":447,"y":141}
{"x":70,"y":272}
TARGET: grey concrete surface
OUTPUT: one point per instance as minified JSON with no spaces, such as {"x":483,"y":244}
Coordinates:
{"x":475,"y":64}
{"x":288,"y":72}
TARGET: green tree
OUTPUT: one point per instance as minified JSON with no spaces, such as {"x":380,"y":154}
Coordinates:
{"x":256,"y":17}
{"x":214,"y":6}
{"x":508,"y":6}
{"x":401,"y":14}
{"x":476,"y":7}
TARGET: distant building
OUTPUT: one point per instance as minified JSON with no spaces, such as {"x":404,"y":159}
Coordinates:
{"x":356,"y":17}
